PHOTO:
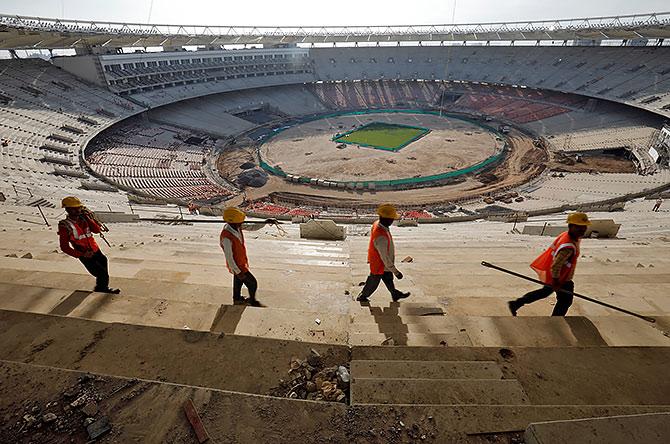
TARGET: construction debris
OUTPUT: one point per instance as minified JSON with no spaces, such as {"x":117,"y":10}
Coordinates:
{"x":98,"y":428}
{"x":309,"y":379}
{"x":194,"y":418}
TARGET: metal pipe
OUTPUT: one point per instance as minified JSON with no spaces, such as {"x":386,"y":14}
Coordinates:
{"x":43,"y":216}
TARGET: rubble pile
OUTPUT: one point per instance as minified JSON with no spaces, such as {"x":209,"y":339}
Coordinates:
{"x":310,"y":379}
{"x":75,"y":411}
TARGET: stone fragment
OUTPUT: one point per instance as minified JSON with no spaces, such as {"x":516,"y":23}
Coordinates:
{"x":29,"y":419}
{"x":49,"y":417}
{"x":78,"y":402}
{"x":98,"y":428}
{"x":343,"y":374}
{"x":27,"y":256}
{"x":90,"y":409}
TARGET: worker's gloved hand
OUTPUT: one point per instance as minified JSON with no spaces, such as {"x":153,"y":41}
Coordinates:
{"x":271,"y":221}
{"x":398,"y":275}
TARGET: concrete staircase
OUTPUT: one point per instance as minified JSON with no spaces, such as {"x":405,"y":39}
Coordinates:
{"x":451,"y":352}
{"x":433,"y":383}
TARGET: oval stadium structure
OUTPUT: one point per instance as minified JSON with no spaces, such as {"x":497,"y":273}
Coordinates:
{"x":484,"y":137}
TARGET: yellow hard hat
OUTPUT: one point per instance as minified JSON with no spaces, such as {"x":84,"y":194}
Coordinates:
{"x":71,"y":202}
{"x":387,"y":211}
{"x":233,"y":215}
{"x":579,"y":219}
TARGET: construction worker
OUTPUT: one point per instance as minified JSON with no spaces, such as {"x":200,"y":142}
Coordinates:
{"x":556,"y":268}
{"x":232,"y":243}
{"x":76,"y":239}
{"x":381,"y":256}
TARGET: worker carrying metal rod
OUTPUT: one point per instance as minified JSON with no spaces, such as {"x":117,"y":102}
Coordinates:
{"x":75,"y":234}
{"x":381,"y":256}
{"x":232,"y":243}
{"x":556,"y":268}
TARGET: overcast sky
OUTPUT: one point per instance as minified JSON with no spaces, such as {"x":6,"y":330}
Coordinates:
{"x":317,"y":12}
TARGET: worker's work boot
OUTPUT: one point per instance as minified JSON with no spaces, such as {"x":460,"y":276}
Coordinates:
{"x":362,"y":298}
{"x":239,"y":300}
{"x":400,"y":295}
{"x":254,"y":302}
{"x":108,"y":290}
{"x":513,"y":307}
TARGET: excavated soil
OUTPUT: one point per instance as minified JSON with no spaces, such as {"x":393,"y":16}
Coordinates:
{"x":595,"y":164}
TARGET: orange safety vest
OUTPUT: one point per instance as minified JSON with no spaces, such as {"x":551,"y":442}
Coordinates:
{"x":81,"y":237}
{"x":542,"y":264}
{"x":374,"y":259}
{"x":239,"y":250}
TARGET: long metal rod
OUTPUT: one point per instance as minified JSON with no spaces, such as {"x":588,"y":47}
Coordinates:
{"x":581,"y":296}
{"x":43,"y":216}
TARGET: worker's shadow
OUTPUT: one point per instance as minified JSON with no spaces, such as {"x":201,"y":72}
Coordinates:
{"x":389,"y":322}
{"x":227,"y":318}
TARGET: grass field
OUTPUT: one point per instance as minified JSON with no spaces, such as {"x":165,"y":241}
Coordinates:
{"x":383,"y":136}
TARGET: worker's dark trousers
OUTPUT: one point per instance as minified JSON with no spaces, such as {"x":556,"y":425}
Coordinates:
{"x":249,"y":281}
{"x":563,"y":300}
{"x":97,"y":266}
{"x":372,"y":283}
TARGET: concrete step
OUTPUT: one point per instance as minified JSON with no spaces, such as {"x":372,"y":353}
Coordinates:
{"x":170,"y":313}
{"x":426,"y":369}
{"x":411,"y":339}
{"x":482,"y":331}
{"x":437,"y":391}
{"x":649,"y":428}
{"x":289,"y":297}
{"x":149,"y":410}
{"x":187,"y":357}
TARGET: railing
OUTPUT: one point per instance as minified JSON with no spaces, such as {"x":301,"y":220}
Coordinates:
{"x":648,"y":25}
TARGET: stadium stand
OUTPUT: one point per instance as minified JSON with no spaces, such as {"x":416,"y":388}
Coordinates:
{"x":594,"y":72}
{"x":156,"y":161}
{"x":46,"y":119}
{"x":447,"y":365}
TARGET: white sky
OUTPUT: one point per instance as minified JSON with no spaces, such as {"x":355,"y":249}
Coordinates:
{"x":335,"y":12}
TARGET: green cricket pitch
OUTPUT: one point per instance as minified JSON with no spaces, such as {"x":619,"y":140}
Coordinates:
{"x":382,"y":136}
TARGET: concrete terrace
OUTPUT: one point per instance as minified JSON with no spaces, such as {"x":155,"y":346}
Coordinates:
{"x":454,"y":365}
{"x":174,"y":276}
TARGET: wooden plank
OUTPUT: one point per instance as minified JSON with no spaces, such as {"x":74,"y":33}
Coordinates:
{"x":196,"y":423}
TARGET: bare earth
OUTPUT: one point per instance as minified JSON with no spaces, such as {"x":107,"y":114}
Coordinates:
{"x":522,"y":163}
{"x":307,"y":149}
{"x":601,"y":164}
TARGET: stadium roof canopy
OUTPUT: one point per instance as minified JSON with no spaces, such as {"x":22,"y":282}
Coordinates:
{"x":22,"y":32}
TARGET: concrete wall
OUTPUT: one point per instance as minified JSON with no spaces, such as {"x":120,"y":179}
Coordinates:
{"x":81,"y":66}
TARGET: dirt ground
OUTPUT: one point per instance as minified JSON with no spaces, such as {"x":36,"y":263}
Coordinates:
{"x":229,"y":162}
{"x":600,"y":164}
{"x":523,"y":162}
{"x":307,"y":149}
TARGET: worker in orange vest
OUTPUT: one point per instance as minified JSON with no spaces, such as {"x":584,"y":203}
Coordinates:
{"x":556,"y":267}
{"x":75,"y":234}
{"x":232,"y":243}
{"x":381,"y":256}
